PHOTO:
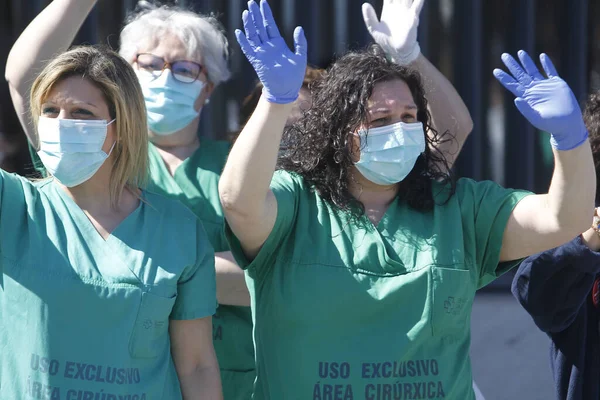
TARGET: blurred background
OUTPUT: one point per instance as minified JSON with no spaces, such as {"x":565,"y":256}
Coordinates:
{"x":464,"y":39}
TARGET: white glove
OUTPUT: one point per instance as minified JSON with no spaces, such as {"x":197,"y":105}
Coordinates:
{"x":396,"y":32}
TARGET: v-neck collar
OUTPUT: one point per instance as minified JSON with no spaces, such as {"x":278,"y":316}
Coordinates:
{"x":383,"y":223}
{"x":163,"y":167}
{"x":386,"y":249}
{"x":379,"y":233}
{"x":84,"y":222}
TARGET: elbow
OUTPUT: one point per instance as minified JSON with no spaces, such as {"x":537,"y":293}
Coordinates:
{"x":467,"y":125}
{"x":469,"y":128}
{"x":8,"y":73}
{"x":18,"y":90}
{"x":240,"y":200}
{"x":232,"y":201}
{"x":12,"y":76}
{"x":459,"y":133}
{"x":12,"y":81}
{"x":463,"y":125}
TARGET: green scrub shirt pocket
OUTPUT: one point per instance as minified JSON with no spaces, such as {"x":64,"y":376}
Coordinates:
{"x":452,"y":298}
{"x":150,"y":332}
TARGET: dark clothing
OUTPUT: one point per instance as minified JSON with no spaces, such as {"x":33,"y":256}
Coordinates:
{"x":555,"y":287}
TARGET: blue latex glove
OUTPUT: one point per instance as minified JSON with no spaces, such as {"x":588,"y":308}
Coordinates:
{"x":280,"y":70}
{"x":547,"y":103}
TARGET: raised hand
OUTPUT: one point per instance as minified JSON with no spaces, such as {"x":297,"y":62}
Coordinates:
{"x":396,"y":32}
{"x":280,"y":70}
{"x":547,"y":103}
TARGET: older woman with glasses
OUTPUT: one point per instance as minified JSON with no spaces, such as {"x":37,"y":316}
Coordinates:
{"x":179,"y":58}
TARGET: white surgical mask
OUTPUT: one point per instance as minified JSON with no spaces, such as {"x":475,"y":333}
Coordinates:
{"x":169,"y":102}
{"x":71,"y":149}
{"x":389,"y":153}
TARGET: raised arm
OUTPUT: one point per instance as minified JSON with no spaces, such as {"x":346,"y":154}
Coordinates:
{"x":545,"y":221}
{"x":396,"y":33}
{"x":50,"y":33}
{"x":553,"y":286}
{"x":248,"y":203}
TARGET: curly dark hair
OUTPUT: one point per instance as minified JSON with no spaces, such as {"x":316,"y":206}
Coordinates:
{"x":321,"y":153}
{"x":591,"y":116}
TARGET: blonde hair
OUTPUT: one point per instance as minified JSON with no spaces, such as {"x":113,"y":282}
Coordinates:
{"x":116,"y":79}
{"x":202,"y":35}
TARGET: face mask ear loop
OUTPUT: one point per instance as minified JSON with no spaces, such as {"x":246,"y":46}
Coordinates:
{"x":111,"y":149}
{"x":115,"y":142}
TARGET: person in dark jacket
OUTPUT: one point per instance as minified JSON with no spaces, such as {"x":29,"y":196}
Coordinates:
{"x":560,"y":289}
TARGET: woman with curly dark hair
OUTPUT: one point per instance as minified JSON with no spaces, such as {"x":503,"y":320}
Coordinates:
{"x":323,"y":152}
{"x":362,"y":256}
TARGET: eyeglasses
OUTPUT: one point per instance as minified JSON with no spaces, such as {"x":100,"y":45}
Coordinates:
{"x":182,"y":70}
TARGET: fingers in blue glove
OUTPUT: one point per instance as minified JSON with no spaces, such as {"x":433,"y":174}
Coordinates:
{"x":257,"y":19}
{"x":515,"y":69}
{"x":300,"y":42}
{"x":250,"y":29}
{"x":548,"y":104}
{"x":245,"y":45}
{"x":280,"y":70}
{"x":529,"y":65}
{"x":268,"y":20}
{"x":508,"y":82}
{"x":548,"y":66}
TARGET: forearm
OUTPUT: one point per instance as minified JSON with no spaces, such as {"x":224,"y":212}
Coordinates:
{"x":571,"y":194}
{"x":50,"y":33}
{"x":204,"y":383}
{"x":244,"y":183}
{"x":194,"y":359}
{"x":450,"y":116}
{"x":231,"y":284}
{"x":542,"y":222}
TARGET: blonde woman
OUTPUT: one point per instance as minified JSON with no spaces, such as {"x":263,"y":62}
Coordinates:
{"x":106,"y":290}
{"x":179,"y":57}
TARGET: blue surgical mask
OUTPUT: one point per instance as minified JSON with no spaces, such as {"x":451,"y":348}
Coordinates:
{"x":389,"y":153}
{"x":71,"y":149}
{"x":169,"y":103}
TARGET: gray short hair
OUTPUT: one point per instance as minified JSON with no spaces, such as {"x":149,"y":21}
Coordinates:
{"x":202,"y":34}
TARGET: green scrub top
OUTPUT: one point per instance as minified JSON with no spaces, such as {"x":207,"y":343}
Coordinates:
{"x":346,"y":310}
{"x":36,"y":161}
{"x":195,"y":184}
{"x":86,"y":318}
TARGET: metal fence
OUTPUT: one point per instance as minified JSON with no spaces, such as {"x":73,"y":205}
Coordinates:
{"x":464,"y":38}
